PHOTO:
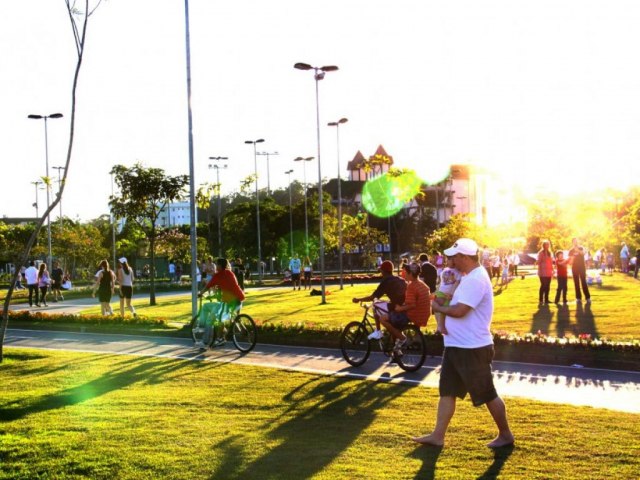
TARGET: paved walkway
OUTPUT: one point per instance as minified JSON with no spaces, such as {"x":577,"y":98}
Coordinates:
{"x":615,"y":390}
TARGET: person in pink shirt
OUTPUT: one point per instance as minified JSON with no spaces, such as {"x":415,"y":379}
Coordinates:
{"x":545,"y":272}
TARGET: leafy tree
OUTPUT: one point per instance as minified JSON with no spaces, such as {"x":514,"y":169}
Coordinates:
{"x":357,"y":236}
{"x":176,"y":245}
{"x":79,"y":21}
{"x":80,"y":245}
{"x":457,"y":227}
{"x":144,"y":193}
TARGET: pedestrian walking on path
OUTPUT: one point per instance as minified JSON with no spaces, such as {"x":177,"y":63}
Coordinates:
{"x":468,"y":353}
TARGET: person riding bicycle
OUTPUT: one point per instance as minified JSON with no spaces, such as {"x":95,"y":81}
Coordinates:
{"x":393,"y":287}
{"x":231,"y":293}
{"x":416,"y":307}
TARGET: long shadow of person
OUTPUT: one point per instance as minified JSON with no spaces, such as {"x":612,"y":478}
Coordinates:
{"x":500,"y":456}
{"x":429,"y":455}
{"x":320,"y":407}
{"x":563,"y":320}
{"x":585,"y":321}
{"x":541,"y":320}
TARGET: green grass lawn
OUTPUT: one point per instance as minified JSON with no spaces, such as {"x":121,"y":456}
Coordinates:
{"x":613,"y":314}
{"x":72,"y":415}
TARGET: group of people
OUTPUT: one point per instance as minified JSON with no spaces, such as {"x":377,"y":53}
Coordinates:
{"x":208,"y":268}
{"x":105,"y":285}
{"x":300,"y":270}
{"x":463,"y":304}
{"x":549,"y":263}
{"x":501,"y":266}
{"x":39,"y":281}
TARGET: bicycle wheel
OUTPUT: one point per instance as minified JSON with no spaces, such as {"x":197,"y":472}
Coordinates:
{"x":244,"y":333}
{"x":414,"y":351}
{"x":354,"y":344}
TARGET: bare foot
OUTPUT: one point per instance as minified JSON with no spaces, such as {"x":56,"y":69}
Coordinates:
{"x":429,"y":440}
{"x":501,"y":441}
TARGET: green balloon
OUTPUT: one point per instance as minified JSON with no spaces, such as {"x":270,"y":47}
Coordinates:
{"x":385,"y":195}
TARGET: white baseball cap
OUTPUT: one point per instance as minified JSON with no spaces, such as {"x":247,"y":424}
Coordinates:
{"x":122,"y":259}
{"x":465,"y":246}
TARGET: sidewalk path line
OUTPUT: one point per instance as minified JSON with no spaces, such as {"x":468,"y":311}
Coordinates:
{"x":614,"y":390}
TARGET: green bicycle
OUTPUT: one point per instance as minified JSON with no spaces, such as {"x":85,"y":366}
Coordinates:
{"x":216,"y":321}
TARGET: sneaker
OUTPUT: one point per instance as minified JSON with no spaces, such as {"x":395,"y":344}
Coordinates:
{"x":399,"y":344}
{"x":393,"y":360}
{"x":37,"y":304}
{"x":376,"y":335}
{"x":200,"y":345}
{"x":588,"y":302}
{"x":61,"y":298}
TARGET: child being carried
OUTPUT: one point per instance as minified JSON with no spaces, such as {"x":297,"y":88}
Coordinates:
{"x":449,"y":281}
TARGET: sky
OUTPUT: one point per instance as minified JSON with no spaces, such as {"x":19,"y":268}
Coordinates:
{"x":546,"y":92}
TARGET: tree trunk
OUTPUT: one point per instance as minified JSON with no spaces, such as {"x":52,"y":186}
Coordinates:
{"x":79,"y":37}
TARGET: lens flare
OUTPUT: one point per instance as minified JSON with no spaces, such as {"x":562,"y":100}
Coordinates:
{"x":385,"y":195}
{"x":433,"y":173}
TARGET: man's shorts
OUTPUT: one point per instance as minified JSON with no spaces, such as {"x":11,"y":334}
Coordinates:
{"x":295,"y":277}
{"x":468,"y":370}
{"x":398,"y":319}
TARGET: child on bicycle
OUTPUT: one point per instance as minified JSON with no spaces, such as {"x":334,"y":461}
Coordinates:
{"x":416,"y":307}
{"x":231,"y":293}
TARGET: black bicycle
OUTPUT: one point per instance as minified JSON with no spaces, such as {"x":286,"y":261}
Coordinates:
{"x":356,"y":346}
{"x":212,"y":332}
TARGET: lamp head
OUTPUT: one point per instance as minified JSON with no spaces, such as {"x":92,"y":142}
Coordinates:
{"x":302,"y":66}
{"x":55,"y":115}
{"x":35,"y":117}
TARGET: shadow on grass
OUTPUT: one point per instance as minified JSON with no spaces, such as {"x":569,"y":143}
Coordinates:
{"x":323,"y":418}
{"x":124,"y":374}
{"x":500,"y":457}
{"x":428,"y":455}
{"x":541,"y":320}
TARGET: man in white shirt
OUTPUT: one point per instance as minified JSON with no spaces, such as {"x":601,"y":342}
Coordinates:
{"x":31,"y":275}
{"x":466,"y":362}
{"x":624,"y":258}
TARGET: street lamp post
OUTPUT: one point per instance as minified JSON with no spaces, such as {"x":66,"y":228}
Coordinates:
{"x":37,"y":183}
{"x":46,"y":157}
{"x":319,"y":73}
{"x":255,"y":165}
{"x":289,"y":172}
{"x":306,"y":220}
{"x":59,"y":187}
{"x":268,"y":179}
{"x":218,"y":167}
{"x":337,"y":125}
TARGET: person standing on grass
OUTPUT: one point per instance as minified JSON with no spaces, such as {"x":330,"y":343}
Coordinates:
{"x":307,"y":268}
{"x":468,"y":352}
{"x":579,"y":271}
{"x":561,"y":274}
{"x":545,"y":272}
{"x":105,"y":285}
{"x":125,"y":280}
{"x":295,"y":265}
{"x":624,"y":258}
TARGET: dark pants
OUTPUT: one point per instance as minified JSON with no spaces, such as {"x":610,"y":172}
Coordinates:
{"x":33,"y":288}
{"x":545,"y":286}
{"x":580,"y":279}
{"x":562,"y":288}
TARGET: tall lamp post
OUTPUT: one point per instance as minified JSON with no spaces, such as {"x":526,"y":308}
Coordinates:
{"x":218,"y":167}
{"x":306,"y":219}
{"x":59,"y":187}
{"x":289,"y":172}
{"x":337,"y":125}
{"x":46,"y":157}
{"x":37,"y":184}
{"x":268,"y":179}
{"x":319,"y":73}
{"x":255,"y":165}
